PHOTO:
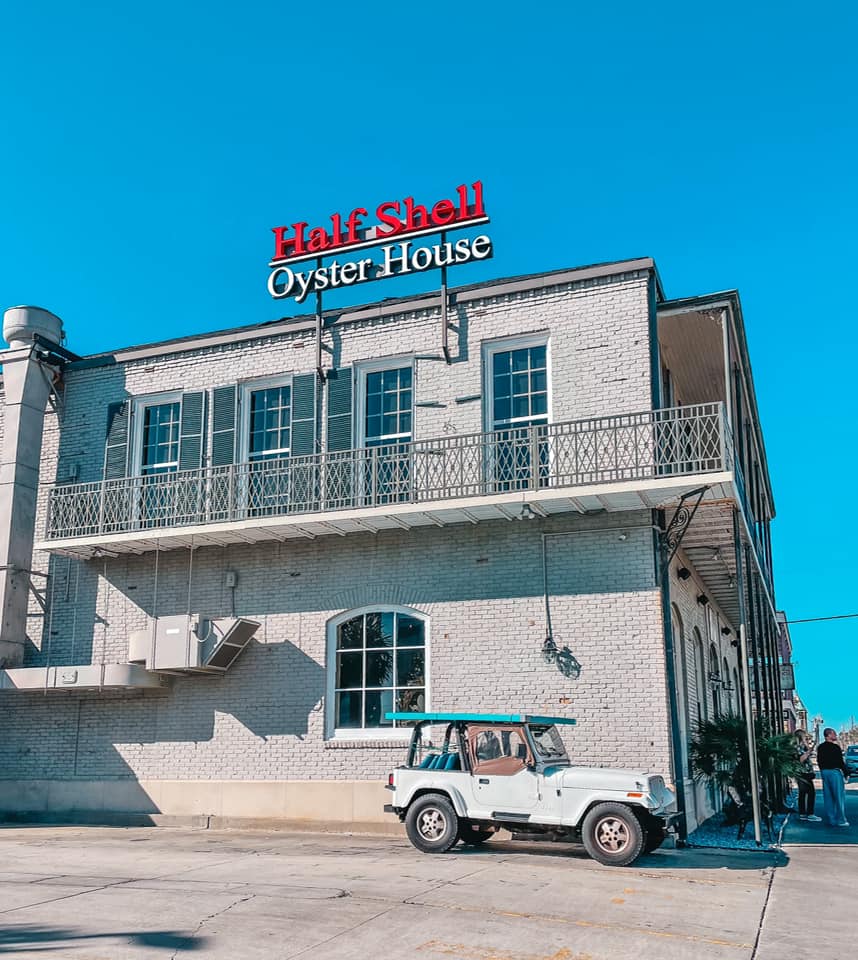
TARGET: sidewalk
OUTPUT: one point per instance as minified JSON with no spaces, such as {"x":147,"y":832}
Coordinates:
{"x":811,"y":906}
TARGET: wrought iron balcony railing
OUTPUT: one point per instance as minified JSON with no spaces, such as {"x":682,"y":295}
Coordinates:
{"x":641,"y":446}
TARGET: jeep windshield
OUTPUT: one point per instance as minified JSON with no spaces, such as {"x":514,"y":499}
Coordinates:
{"x":547,"y":741}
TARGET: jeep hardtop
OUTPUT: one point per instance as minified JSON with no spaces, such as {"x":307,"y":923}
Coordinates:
{"x":485,"y":772}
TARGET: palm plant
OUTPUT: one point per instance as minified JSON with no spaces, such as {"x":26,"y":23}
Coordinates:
{"x":719,"y":754}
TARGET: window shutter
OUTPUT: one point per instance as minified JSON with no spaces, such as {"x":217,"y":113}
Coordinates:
{"x":303,"y":415}
{"x":223,"y":425}
{"x":191,"y":427}
{"x":340,"y":408}
{"x":116,"y":443}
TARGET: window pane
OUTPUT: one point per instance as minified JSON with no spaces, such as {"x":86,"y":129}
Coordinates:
{"x":520,"y":384}
{"x":379,"y":629}
{"x":349,"y":709}
{"x":378,"y":702}
{"x":349,"y":670}
{"x":409,"y":631}
{"x":538,"y":381}
{"x":405,"y":377}
{"x":502,"y":363}
{"x":350,"y":634}
{"x":411,"y":700}
{"x":373,"y":404}
{"x":520,"y":359}
{"x":410,"y":668}
{"x":379,"y":668}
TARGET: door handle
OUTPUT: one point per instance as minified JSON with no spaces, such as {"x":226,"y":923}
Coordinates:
{"x":484,"y":780}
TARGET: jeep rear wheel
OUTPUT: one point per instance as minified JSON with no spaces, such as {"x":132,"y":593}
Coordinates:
{"x":474,"y":836}
{"x":613,"y":835}
{"x":432,"y":824}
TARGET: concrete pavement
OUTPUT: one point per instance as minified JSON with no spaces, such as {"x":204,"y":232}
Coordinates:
{"x":118,"y":893}
{"x":811,"y":910}
{"x":128,"y":894}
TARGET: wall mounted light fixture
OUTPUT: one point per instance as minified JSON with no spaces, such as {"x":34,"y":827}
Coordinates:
{"x":683,"y":573}
{"x":702,"y":599}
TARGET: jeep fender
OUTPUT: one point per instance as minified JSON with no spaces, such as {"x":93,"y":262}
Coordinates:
{"x":447,"y":789}
{"x":574,"y":809}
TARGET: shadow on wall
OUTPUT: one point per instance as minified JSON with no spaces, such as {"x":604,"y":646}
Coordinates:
{"x":32,"y":937}
{"x":61,"y":632}
{"x":272,"y":690}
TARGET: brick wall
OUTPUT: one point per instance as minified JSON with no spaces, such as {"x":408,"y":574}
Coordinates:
{"x":480,"y":586}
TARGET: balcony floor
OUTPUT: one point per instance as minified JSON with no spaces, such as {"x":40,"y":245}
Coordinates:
{"x":612,"y":497}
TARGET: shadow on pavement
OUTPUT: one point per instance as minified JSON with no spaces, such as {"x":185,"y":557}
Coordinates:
{"x":810,"y":834}
{"x":30,"y":936}
{"x":681,"y":858}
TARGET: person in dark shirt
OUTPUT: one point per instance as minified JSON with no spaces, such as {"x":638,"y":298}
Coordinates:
{"x":834,"y":773}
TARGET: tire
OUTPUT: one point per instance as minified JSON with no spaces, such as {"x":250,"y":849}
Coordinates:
{"x":474,"y":836}
{"x":432,"y":824}
{"x":613,"y":835}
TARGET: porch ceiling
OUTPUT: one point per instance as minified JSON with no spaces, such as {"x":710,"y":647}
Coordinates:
{"x":708,"y":545}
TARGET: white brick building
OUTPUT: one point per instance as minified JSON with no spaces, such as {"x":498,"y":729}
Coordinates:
{"x":371,"y":524}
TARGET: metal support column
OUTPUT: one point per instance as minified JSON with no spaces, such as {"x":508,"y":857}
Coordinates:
{"x":749,"y":713}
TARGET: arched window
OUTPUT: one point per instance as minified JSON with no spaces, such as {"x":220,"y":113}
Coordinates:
{"x":699,"y":676}
{"x":715,"y":679}
{"x":731,"y":693}
{"x":377,"y":663}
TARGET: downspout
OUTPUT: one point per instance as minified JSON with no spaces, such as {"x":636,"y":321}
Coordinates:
{"x":660,"y":556}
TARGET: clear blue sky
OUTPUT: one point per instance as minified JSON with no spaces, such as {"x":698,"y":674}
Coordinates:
{"x":147,"y":152}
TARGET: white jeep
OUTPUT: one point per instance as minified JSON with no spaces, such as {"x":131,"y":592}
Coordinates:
{"x":485,"y":772}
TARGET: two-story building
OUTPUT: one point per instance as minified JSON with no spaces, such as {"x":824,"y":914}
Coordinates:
{"x":225,"y":560}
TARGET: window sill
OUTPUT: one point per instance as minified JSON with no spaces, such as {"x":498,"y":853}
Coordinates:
{"x":366,"y":743}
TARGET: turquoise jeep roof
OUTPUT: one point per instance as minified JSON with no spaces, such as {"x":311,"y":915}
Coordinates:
{"x":478,"y":717}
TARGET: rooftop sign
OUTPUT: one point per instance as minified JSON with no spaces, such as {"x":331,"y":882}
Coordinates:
{"x":397,"y":224}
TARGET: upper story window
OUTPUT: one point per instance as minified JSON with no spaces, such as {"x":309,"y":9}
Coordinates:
{"x":387,"y":402}
{"x":519,"y":386}
{"x":378,"y":664}
{"x":385,"y":424}
{"x":516,"y":411}
{"x":268,"y":420}
{"x":156,"y":447}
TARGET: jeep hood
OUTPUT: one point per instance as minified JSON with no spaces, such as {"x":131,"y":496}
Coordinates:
{"x":605,"y":778}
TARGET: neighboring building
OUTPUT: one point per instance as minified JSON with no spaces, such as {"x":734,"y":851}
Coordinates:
{"x":789,"y":701}
{"x":239,"y":567}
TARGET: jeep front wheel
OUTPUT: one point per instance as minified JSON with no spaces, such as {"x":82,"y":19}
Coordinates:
{"x":612,"y":834}
{"x":431,"y":823}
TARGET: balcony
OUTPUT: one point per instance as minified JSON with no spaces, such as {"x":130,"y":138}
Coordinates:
{"x":625,"y":462}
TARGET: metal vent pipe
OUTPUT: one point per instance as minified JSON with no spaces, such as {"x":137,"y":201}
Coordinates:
{"x":27,"y":385}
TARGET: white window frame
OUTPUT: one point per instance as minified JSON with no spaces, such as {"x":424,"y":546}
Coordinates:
{"x":376,"y":366}
{"x":370,"y":733}
{"x":505,"y":345}
{"x":245,"y":390}
{"x":138,"y":407}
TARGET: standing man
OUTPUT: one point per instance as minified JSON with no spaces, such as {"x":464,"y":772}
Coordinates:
{"x":834,"y":773}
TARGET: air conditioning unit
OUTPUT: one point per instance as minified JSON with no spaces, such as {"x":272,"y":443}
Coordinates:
{"x":192,"y":644}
